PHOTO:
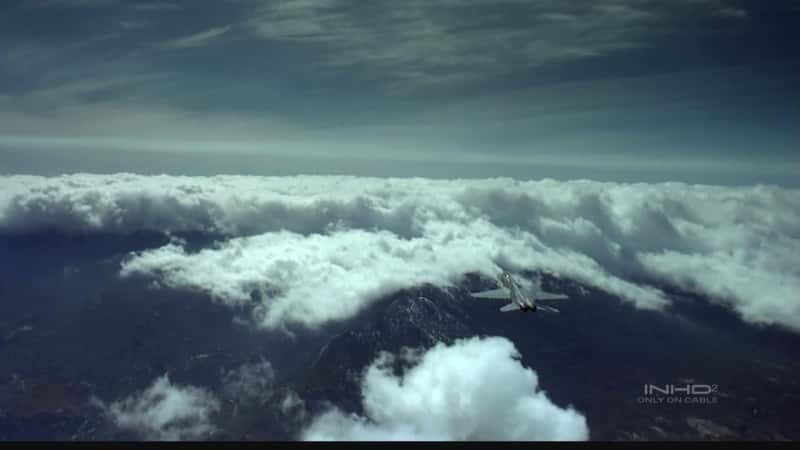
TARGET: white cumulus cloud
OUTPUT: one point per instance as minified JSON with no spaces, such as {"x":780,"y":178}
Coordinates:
{"x":322,"y":248}
{"x":475,"y":389}
{"x":165,"y":411}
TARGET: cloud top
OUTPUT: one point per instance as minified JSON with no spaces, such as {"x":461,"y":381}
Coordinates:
{"x":475,"y":389}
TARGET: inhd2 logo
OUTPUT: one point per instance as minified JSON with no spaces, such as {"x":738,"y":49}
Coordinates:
{"x":689,"y":393}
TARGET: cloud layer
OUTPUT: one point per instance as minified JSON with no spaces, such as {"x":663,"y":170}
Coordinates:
{"x":308,"y":250}
{"x":165,"y":411}
{"x":475,"y":389}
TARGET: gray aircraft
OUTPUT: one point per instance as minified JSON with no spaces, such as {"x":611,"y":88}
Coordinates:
{"x":522,"y":299}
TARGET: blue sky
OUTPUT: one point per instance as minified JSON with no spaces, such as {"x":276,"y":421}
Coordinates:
{"x":627,"y":90}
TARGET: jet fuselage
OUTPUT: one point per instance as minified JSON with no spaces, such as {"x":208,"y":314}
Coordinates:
{"x":524,"y":302}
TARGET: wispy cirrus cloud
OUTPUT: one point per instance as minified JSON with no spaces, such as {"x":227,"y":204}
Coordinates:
{"x":422,"y":44}
{"x":70,"y":3}
{"x":732,"y":13}
{"x":200,"y":39}
{"x":155,"y":6}
{"x":140,"y":6}
{"x":428,"y":44}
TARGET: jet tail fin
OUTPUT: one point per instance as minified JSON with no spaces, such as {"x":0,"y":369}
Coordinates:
{"x":546,"y":308}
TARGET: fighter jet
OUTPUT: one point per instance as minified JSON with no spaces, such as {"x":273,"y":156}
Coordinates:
{"x":522,"y":299}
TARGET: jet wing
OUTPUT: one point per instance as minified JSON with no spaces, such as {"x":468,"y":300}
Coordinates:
{"x":499,"y":294}
{"x":510,"y":307}
{"x":538,"y":294}
{"x":542,"y":295}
